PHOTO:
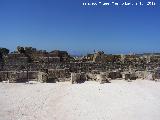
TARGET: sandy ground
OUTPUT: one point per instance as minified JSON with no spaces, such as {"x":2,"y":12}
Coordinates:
{"x":119,"y":100}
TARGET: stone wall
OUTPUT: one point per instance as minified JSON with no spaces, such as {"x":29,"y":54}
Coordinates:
{"x":23,"y":76}
{"x":78,"y":78}
{"x":58,"y":73}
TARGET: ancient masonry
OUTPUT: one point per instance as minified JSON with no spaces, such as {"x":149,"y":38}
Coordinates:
{"x":29,"y":64}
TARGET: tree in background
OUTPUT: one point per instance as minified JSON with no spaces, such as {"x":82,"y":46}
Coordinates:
{"x":3,"y":52}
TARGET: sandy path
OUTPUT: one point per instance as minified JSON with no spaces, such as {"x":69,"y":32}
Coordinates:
{"x":119,"y":100}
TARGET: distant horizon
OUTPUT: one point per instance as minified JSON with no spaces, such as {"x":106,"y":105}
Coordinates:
{"x":79,"y":53}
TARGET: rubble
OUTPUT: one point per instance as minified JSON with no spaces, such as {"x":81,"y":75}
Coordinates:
{"x":22,"y":76}
{"x":39,"y":65}
{"x":78,"y":78}
{"x":102,"y":78}
{"x":130,"y":76}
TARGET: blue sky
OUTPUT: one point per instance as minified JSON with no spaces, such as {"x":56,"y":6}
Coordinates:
{"x":67,"y":25}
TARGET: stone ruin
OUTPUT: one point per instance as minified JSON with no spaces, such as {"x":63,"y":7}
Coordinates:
{"x":56,"y":75}
{"x":27,"y":63}
{"x":156,"y":74}
{"x":22,"y":76}
{"x":102,"y":78}
{"x":78,"y":78}
{"x":114,"y":74}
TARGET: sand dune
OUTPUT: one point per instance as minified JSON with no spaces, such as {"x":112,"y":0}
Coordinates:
{"x":119,"y":100}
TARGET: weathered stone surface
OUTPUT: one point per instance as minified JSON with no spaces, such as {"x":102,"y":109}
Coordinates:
{"x":78,"y":78}
{"x":22,"y":76}
{"x":102,"y":78}
{"x":114,"y":75}
{"x":130,"y":76}
{"x":58,"y":65}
